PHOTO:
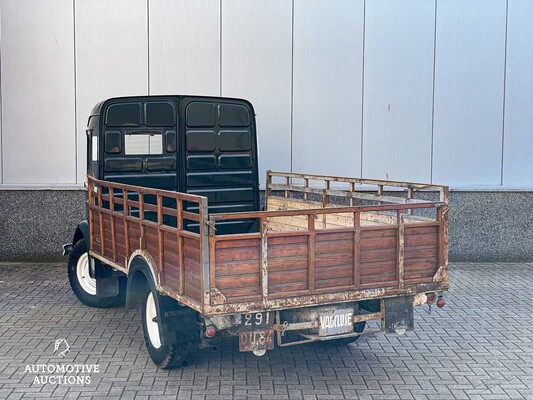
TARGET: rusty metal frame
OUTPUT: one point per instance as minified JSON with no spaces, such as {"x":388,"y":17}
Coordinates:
{"x":281,"y":327}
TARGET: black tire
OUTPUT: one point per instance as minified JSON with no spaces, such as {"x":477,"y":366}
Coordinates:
{"x":164,"y":356}
{"x":83,"y":289}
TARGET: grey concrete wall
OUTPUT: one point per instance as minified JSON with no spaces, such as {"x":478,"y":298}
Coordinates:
{"x":484,"y":226}
{"x":34,"y":224}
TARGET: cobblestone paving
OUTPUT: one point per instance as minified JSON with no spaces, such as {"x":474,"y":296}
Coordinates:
{"x":479,"y":347}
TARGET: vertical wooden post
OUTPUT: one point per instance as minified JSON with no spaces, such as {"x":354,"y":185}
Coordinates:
{"x":357,"y":249}
{"x":212,"y":253}
{"x":352,"y":190}
{"x":306,"y":185}
{"x":90,"y":200}
{"x":311,"y":278}
{"x":142,"y":239}
{"x":264,"y":262}
{"x":442,"y":217}
{"x":410,"y":196}
{"x":401,"y":248}
{"x":112,"y":217}
{"x":179,"y":226}
{"x":125,"y":214}
{"x":287,"y":182}
{"x":160,"y":240}
{"x":101,"y":220}
{"x":268,"y":191}
{"x":204,"y":253}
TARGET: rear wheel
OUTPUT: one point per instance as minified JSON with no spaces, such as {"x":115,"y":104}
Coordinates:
{"x":163,"y":355}
{"x":81,"y":277}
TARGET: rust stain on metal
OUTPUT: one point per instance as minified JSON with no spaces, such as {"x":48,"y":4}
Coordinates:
{"x":419,"y":299}
{"x":441,"y":275}
{"x":264,"y":262}
{"x":401,"y":249}
{"x":217,"y":297}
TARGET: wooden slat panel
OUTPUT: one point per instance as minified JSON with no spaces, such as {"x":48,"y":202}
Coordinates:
{"x":329,"y":236}
{"x":380,"y":232}
{"x":237,"y":267}
{"x":171,"y":256}
{"x":237,"y":254}
{"x":192,"y":266}
{"x":418,"y":264}
{"x":369,"y":256}
{"x":413,"y":240}
{"x":412,"y":229}
{"x":421,"y":251}
{"x":171,"y":270}
{"x":286,"y":288}
{"x":328,"y":260}
{"x":378,"y":243}
{"x":340,"y":271}
{"x":287,"y":264}
{"x":192,"y":292}
{"x":379,"y":268}
{"x":334,"y":283}
{"x":192,"y":279}
{"x":227,"y":244}
{"x":331,"y":247}
{"x":242,"y":294}
{"x":299,"y":275}
{"x":287,"y":240}
{"x":377,"y":280}
{"x":237,"y":281}
{"x":289,"y":250}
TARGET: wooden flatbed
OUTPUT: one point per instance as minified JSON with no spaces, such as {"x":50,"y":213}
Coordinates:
{"x":321,"y":240}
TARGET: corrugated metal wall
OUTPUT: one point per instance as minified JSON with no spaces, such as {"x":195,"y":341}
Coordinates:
{"x":419,"y":90}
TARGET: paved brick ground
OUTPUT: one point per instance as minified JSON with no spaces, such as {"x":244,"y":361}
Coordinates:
{"x":479,"y":347}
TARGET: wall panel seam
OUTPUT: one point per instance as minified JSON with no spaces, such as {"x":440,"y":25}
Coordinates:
{"x":433,"y":95}
{"x":363,"y":88}
{"x":504,"y":88}
{"x":220,"y":50}
{"x":75,"y":92}
{"x":148,"y":42}
{"x":292,"y":86}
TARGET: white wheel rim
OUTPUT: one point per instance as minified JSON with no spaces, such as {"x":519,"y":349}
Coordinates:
{"x":87,"y":283}
{"x":151,"y":325}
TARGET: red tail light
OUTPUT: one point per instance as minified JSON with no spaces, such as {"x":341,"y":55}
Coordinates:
{"x":441,"y":302}
{"x":431,"y":297}
{"x":210,"y":331}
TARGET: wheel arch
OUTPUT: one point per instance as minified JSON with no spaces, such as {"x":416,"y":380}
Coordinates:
{"x":82,"y":232}
{"x":141,"y":275}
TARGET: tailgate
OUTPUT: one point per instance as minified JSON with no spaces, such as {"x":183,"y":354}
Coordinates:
{"x":306,"y":255}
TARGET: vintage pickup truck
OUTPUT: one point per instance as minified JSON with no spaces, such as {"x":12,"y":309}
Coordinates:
{"x":175,"y":227}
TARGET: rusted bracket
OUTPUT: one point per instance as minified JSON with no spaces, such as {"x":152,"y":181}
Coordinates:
{"x":217,"y":297}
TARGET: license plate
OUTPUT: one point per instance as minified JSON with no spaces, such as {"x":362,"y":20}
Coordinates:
{"x":335,"y":322}
{"x":257,"y":332}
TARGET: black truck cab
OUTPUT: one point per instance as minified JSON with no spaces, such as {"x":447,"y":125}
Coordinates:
{"x":200,"y":145}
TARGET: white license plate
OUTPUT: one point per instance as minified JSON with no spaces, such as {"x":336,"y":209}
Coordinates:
{"x":335,"y":322}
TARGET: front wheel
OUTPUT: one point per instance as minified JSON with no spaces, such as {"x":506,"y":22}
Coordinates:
{"x":163,"y":355}
{"x":81,"y":278}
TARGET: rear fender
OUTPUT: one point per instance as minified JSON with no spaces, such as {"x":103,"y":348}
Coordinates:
{"x":82,"y":232}
{"x":177,"y":323}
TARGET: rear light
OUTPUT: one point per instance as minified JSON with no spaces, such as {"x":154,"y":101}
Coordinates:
{"x":210,"y":331}
{"x":431,"y":297}
{"x":441,"y":302}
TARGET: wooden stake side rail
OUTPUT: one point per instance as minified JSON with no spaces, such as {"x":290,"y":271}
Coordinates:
{"x":313,"y":257}
{"x":334,"y":255}
{"x":121,"y":226}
